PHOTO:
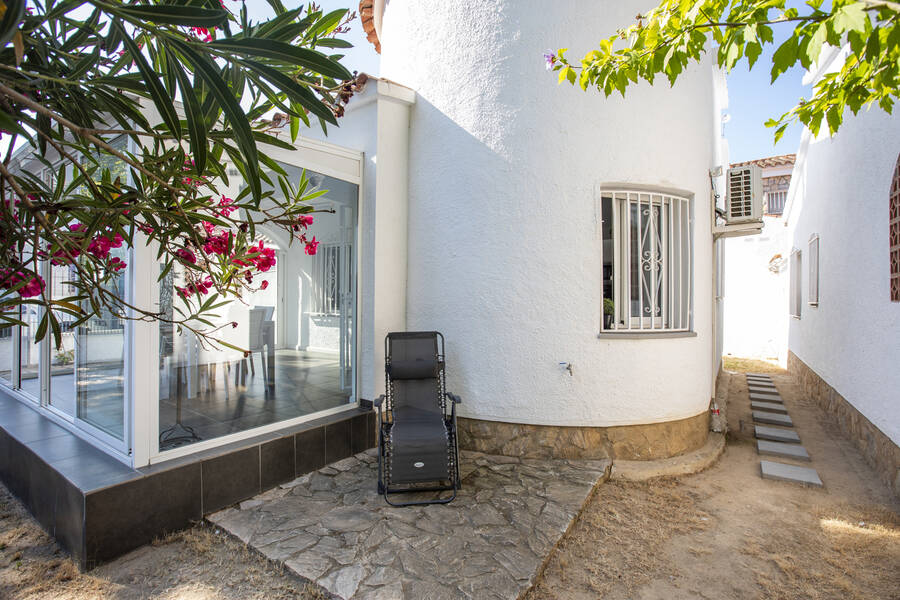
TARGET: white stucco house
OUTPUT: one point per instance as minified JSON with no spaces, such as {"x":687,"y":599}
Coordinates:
{"x":843,"y":241}
{"x":566,"y":245}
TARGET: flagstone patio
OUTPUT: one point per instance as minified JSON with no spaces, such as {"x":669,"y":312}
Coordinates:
{"x":331,"y":527}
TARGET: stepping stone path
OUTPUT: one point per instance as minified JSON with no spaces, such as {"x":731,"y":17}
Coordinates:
{"x":766,"y":397}
{"x":793,"y":473}
{"x":772,"y":407}
{"x":776,"y":435}
{"x":795,"y":451}
{"x":767,"y":406}
{"x":331,"y":527}
{"x":772,"y":418}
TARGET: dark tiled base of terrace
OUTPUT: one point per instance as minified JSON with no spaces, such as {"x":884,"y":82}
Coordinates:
{"x":98,"y":508}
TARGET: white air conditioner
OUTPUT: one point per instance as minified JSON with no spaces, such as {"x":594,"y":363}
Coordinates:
{"x":744,"y":198}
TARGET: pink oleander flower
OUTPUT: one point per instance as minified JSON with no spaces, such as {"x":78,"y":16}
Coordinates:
{"x":101,"y":245}
{"x":34,"y":286}
{"x":265,"y":260}
{"x":76,"y":227}
{"x":217,"y":244}
{"x":226,"y":206}
{"x":201,"y":33}
{"x":305,"y":221}
{"x":264,"y":284}
{"x":63,"y":257}
{"x":311,"y":246}
{"x":116,"y":264}
{"x":186,"y":255}
{"x":201,"y":287}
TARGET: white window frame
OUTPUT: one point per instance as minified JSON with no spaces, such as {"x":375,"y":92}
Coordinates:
{"x":813,"y":261}
{"x":796,"y":283}
{"x":669,"y":262}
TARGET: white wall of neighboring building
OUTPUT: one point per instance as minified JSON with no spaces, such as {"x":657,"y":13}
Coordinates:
{"x":756,"y":288}
{"x":504,"y":226}
{"x":840,"y":190}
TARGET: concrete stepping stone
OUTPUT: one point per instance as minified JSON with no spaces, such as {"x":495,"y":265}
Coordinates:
{"x":795,"y":451}
{"x":759,"y":379}
{"x":775,"y":434}
{"x":762,"y":390}
{"x":761,"y":375}
{"x":772,"y":418}
{"x":772,"y":407}
{"x":765,"y":397}
{"x":792,"y":473}
{"x":759,"y":384}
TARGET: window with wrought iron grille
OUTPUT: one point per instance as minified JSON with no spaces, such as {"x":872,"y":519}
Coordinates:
{"x":646,"y":261}
{"x":894,"y":237}
{"x":775,"y":202}
{"x":330,"y":267}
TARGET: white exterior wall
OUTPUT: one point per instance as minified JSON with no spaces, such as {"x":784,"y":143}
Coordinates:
{"x":756,"y":298}
{"x":504,"y":227}
{"x":840,"y":190}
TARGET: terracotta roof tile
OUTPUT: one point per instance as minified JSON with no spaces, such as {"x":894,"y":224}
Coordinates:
{"x":769,"y":161}
{"x":366,"y":15}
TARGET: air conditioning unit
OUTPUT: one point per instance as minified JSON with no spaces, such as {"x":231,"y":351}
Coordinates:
{"x":744,"y":198}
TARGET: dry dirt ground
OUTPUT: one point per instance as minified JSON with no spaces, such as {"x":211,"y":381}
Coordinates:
{"x":721,"y":534}
{"x":197,"y":564}
{"x":727,"y":533}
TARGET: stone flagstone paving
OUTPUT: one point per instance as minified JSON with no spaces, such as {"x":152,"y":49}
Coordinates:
{"x":331,"y":527}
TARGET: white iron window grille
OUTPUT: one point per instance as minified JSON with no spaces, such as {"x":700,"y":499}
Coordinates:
{"x":775,"y":202}
{"x":646,"y":257}
{"x":796,"y":283}
{"x":330,"y":262}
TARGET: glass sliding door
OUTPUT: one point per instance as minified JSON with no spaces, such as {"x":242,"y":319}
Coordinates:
{"x":297,"y":328}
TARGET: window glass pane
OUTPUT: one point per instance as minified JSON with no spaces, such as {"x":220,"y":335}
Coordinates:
{"x":100,"y":362}
{"x":299,"y":332}
{"x":62,"y":358}
{"x":634,"y":258}
{"x":29,"y":351}
{"x":8,"y":340}
{"x":609,"y":255}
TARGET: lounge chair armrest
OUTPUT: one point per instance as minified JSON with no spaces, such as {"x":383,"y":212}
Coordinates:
{"x":454,"y":398}
{"x":377,"y":402}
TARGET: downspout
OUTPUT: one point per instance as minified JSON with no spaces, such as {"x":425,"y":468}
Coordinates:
{"x":377,"y":14}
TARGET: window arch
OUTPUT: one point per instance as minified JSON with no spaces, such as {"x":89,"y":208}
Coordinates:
{"x":894,"y":236}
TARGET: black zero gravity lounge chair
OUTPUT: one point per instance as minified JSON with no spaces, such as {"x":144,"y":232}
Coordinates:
{"x":417,"y":445}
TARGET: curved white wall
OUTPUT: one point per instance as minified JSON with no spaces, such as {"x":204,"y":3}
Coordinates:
{"x":504,"y":232}
{"x":840,"y":190}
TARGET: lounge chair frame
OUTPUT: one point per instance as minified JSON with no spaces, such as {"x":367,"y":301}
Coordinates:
{"x":385,"y":407}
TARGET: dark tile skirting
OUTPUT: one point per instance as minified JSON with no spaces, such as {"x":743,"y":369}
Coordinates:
{"x":98,"y":508}
{"x":879,"y":451}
